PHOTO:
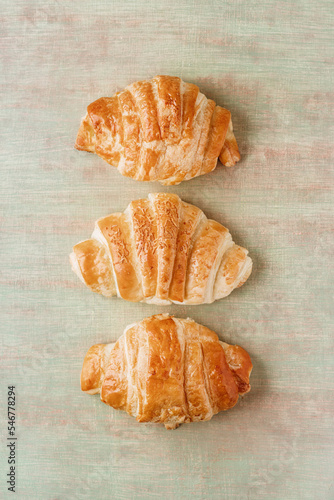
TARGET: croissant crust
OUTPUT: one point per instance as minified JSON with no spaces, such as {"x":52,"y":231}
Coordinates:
{"x":161,"y":129}
{"x":161,"y":250}
{"x":167,"y":370}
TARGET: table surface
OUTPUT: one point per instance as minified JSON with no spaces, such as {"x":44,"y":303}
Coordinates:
{"x":271,"y":64}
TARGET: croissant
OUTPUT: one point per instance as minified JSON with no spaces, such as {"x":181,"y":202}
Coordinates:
{"x":161,"y":250}
{"x":167,"y":370}
{"x":161,"y":129}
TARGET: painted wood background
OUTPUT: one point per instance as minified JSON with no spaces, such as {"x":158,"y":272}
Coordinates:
{"x":271,"y":64}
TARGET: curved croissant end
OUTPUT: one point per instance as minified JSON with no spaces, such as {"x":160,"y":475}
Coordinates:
{"x":161,"y":129}
{"x":161,"y":250}
{"x":167,"y":370}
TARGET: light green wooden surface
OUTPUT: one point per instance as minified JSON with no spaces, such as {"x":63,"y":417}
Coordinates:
{"x":271,"y":64}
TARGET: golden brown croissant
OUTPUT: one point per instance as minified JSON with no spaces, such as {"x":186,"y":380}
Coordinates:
{"x":161,"y":129}
{"x":167,"y":370}
{"x":161,"y":250}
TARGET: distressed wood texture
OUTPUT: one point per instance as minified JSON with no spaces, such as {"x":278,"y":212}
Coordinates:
{"x":271,"y":64}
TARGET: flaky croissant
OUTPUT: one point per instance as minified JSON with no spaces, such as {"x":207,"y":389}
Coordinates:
{"x":161,"y":129}
{"x":167,"y":370}
{"x":161,"y":250}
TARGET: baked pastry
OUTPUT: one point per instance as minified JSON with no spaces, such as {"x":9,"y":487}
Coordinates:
{"x":167,"y":370}
{"x":161,"y":129}
{"x":161,"y":250}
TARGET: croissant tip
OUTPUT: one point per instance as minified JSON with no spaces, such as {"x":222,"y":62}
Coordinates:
{"x":233,"y":160}
{"x":232,"y":163}
{"x":81,"y":146}
{"x":243,"y":392}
